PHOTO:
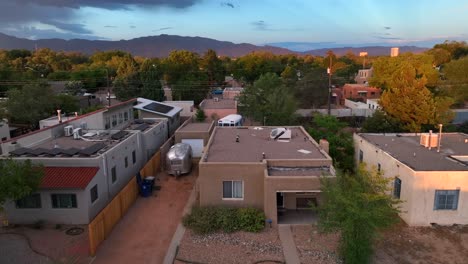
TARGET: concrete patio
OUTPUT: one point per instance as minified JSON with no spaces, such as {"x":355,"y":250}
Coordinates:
{"x":297,"y":217}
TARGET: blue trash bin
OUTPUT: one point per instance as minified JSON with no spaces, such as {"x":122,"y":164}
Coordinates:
{"x":145,"y":190}
{"x":150,"y":181}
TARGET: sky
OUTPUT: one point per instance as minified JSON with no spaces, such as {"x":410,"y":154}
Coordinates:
{"x":289,"y":23}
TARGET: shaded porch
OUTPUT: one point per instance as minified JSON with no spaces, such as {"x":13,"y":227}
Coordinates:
{"x":297,"y":216}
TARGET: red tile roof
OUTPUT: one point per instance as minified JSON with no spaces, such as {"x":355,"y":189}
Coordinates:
{"x":67,"y":177}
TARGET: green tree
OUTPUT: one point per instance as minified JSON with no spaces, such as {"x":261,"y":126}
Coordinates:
{"x":380,"y":122}
{"x":150,"y":79}
{"x":18,"y":179}
{"x":30,"y":104}
{"x":268,"y":101}
{"x":74,"y":87}
{"x":180,"y":63}
{"x":358,"y":206}
{"x":456,"y":83}
{"x":191,"y":86}
{"x":67,"y":103}
{"x":341,"y":142}
{"x":200,"y":115}
{"x":213,"y":67}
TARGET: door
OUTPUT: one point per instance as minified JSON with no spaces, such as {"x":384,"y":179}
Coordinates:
{"x":197,"y":146}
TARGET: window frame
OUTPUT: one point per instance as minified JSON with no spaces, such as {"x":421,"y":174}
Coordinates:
{"x":397,"y":188}
{"x":361,"y":156}
{"x":446,"y":193}
{"x":126,"y":162}
{"x":94,"y":192}
{"x":232,"y":198}
{"x":58,"y":194}
{"x":35,"y":195}
{"x":134,"y":156}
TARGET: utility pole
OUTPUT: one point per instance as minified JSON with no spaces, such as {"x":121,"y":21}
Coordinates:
{"x":108,"y":88}
{"x":329,"y":71}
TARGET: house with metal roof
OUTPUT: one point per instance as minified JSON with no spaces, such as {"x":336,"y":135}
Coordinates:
{"x":274,"y":169}
{"x":428,"y":173}
{"x":88,"y":160}
{"x":152,"y":109}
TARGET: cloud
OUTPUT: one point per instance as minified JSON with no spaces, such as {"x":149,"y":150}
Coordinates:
{"x":108,"y":26}
{"x":389,"y":38}
{"x":387,"y":28}
{"x":132,"y":26}
{"x":162,"y":29}
{"x":110,"y":4}
{"x":73,"y":28}
{"x":260,"y":25}
{"x":36,"y":33}
{"x":228,"y":4}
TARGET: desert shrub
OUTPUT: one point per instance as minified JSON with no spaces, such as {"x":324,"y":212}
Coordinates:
{"x":251,"y":219}
{"x":210,"y":219}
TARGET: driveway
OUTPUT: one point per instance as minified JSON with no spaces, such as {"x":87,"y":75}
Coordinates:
{"x":145,"y":232}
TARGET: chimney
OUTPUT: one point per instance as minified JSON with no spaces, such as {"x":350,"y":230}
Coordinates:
{"x":325,"y":145}
{"x":263,"y":155}
{"x":59,"y":116}
{"x":430,"y":138}
{"x":76,"y":114}
{"x":440,"y":137}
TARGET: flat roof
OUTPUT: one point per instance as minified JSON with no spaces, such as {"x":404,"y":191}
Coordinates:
{"x":253,"y":141}
{"x":196,"y":127}
{"x":407,"y":149}
{"x":157,"y":107}
{"x":299,"y":171}
{"x":219,"y":104}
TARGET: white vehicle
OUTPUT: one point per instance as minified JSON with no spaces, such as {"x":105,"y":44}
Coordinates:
{"x":230,"y":120}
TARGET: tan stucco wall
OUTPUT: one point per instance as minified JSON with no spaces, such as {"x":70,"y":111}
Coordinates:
{"x":418,"y":187}
{"x":212,"y":175}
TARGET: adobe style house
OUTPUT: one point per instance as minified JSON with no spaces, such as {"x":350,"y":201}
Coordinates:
{"x":196,"y":135}
{"x":363,"y":76}
{"x":429,"y":173}
{"x":247,"y":166}
{"x":360,"y":92}
{"x":232,"y":92}
{"x":87,"y":160}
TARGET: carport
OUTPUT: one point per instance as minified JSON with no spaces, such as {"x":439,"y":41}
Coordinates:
{"x":297,"y":207}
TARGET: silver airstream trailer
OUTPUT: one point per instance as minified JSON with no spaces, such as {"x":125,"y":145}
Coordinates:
{"x":179,"y":159}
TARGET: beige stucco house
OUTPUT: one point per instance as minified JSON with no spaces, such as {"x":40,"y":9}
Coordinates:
{"x":247,"y":166}
{"x":429,"y":175}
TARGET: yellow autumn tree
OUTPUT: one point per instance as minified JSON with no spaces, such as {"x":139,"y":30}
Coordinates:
{"x":408,"y":100}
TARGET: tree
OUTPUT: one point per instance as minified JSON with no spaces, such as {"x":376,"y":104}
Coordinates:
{"x":341,"y":142}
{"x":456,"y":84}
{"x":268,"y":101}
{"x":408,"y":100}
{"x":18,"y":179}
{"x":74,"y":87}
{"x":357,"y":206}
{"x":312,"y":90}
{"x":66,"y":103}
{"x":200,"y":115}
{"x":213,"y":66}
{"x":30,"y":104}
{"x":150,"y":79}
{"x":381,"y":123}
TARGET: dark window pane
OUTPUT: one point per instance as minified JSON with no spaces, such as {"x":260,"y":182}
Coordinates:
{"x":227,"y":189}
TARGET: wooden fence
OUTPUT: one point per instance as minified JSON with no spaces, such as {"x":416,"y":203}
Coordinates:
{"x":101,"y":226}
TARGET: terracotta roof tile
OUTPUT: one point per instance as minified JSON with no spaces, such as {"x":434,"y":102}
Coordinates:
{"x":67,"y":177}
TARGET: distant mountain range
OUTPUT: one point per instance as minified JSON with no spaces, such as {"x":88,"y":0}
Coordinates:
{"x":162,"y":45}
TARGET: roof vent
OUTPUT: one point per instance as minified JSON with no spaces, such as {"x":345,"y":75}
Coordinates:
{"x":429,"y":140}
{"x":280,"y":133}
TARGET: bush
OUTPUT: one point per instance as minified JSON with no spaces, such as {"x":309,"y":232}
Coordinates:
{"x":251,"y":219}
{"x":210,"y":219}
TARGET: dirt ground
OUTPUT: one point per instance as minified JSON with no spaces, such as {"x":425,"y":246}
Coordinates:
{"x":143,"y":235}
{"x":315,"y":247}
{"x":238,"y":247}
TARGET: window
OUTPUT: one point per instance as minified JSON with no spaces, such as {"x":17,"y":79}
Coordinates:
{"x":233,"y":190}
{"x":94,"y":193}
{"x":134,"y":157}
{"x":125,"y":116}
{"x":114,"y":174}
{"x":108,"y":123}
{"x":126,"y":162}
{"x":114,"y":120}
{"x":379,"y":167}
{"x":4,"y":138}
{"x":397,"y":188}
{"x":361,"y":156}
{"x":130,"y":114}
{"x":64,"y":201}
{"x":446,"y":199}
{"x":30,"y":201}
{"x":120,"y":118}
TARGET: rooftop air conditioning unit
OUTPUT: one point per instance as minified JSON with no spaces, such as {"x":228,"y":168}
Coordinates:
{"x":280,"y":133}
{"x":216,"y":99}
{"x":68,"y":131}
{"x":84,"y":125}
{"x":77,"y":133}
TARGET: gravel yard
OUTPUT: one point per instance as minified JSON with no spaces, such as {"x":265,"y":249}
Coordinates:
{"x":239,"y":247}
{"x":315,"y":247}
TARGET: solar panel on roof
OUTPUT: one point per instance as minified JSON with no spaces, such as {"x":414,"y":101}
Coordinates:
{"x":19,"y":152}
{"x":156,"y":107}
{"x":138,"y":121}
{"x":142,"y":127}
{"x":70,"y":151}
{"x":37,"y":152}
{"x":53,"y":152}
{"x":92,"y":149}
{"x":119,"y":135}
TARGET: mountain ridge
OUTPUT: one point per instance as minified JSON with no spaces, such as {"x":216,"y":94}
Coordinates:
{"x":162,"y":45}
